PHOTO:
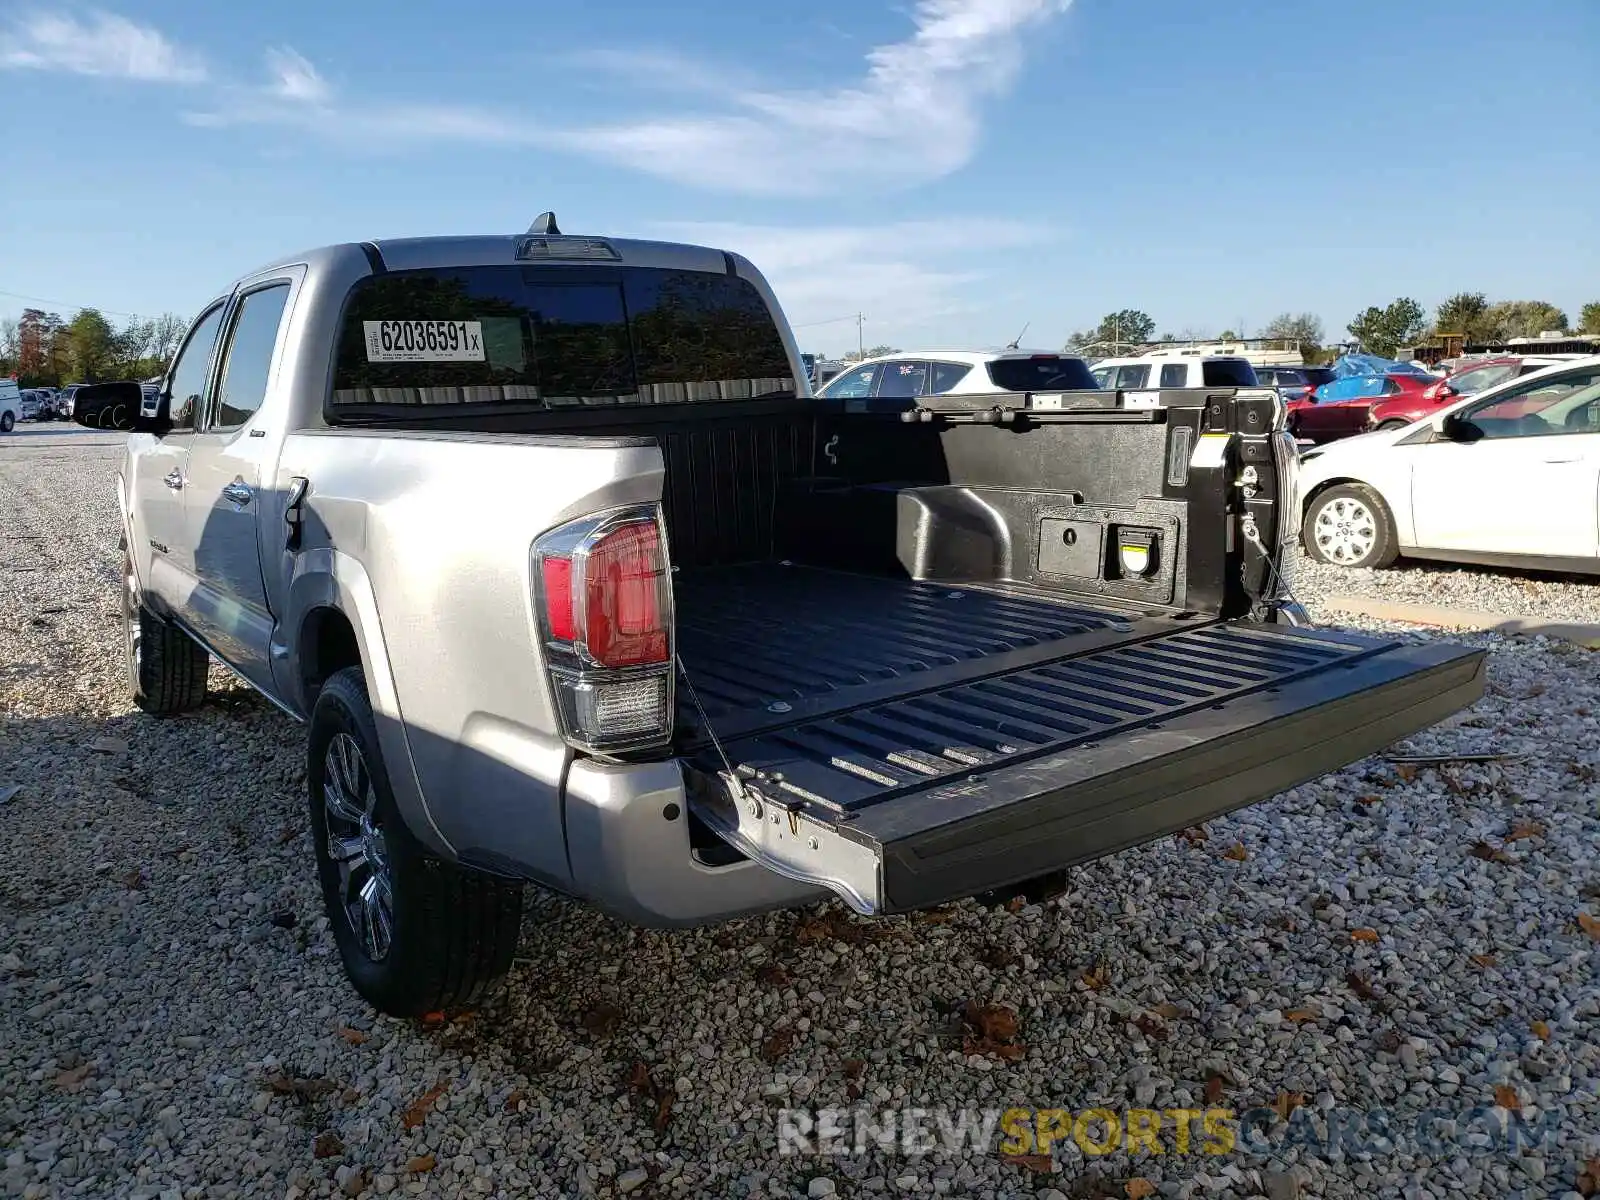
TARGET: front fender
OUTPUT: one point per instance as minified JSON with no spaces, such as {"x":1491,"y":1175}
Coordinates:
{"x":328,"y":579}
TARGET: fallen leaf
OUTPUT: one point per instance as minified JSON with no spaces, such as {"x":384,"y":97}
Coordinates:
{"x":1151,"y":1026}
{"x":1590,"y":925}
{"x":1214,"y":1085}
{"x":1284,"y":922}
{"x":1524,"y":829}
{"x":1363,"y":935}
{"x":1039,"y":1164}
{"x":432,"y":1020}
{"x":1540,"y":1030}
{"x":854,"y":1067}
{"x":990,"y":1029}
{"x":1483,"y":960}
{"x":1489,"y":853}
{"x":328,"y":1145}
{"x":1369,"y":800}
{"x":302,"y":1089}
{"x":1360,"y":985}
{"x":852,"y":1091}
{"x":514,"y":1101}
{"x":422,"y":1164}
{"x":999,"y":957}
{"x":1453,"y":785}
{"x":639,"y":1080}
{"x":357,"y":1183}
{"x":602,"y":1020}
{"x":1195,"y":835}
{"x":934,"y":916}
{"x":1168,"y":1011}
{"x":1139,"y":1188}
{"x":1016,"y":904}
{"x":287,"y":834}
{"x":663,"y":1115}
{"x":1098,"y":977}
{"x":1588,"y":1180}
{"x":1406,"y":772}
{"x":1506,"y":1097}
{"x":1301,"y":1015}
{"x":1287,"y":1102}
{"x":813,"y":929}
{"x":354,"y":1036}
{"x":1236,"y":852}
{"x":773,"y":975}
{"x":417,"y":1114}
{"x":134,"y":880}
{"x":72,"y":1080}
{"x":777,"y":1047}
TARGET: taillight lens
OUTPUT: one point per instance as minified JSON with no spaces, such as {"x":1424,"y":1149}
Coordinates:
{"x":603,"y":589}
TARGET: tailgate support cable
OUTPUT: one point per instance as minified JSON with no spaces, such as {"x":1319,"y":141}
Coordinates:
{"x":1283,"y":597}
{"x":694,"y":699}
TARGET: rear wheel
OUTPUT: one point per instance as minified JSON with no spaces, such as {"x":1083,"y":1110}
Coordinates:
{"x":1350,"y":526}
{"x":166,"y":667}
{"x":1395,"y":424}
{"x":6,"y":422}
{"x":416,"y":935}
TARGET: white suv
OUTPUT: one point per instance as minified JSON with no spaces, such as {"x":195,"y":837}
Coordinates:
{"x":908,"y":374}
{"x":1174,"y":369}
{"x":10,"y":404}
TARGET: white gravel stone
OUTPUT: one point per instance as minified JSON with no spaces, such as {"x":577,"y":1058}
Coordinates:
{"x":165,"y":974}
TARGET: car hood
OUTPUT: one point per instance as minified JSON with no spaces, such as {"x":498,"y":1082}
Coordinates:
{"x":1354,"y":447}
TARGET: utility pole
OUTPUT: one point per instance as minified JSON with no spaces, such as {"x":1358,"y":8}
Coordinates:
{"x":861,"y":344}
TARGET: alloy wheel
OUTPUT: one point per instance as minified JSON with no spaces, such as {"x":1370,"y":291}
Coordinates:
{"x":356,"y":843}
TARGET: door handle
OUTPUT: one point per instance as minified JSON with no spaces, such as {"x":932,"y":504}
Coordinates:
{"x":238,"y":492}
{"x":173,"y":479}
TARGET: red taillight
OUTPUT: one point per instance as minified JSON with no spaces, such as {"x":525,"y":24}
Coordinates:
{"x":557,"y":573}
{"x":623,"y":579}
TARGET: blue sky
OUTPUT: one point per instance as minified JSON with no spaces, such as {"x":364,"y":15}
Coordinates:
{"x":951,"y":168}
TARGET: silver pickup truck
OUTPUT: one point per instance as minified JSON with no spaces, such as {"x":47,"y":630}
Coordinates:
{"x":574,"y":583}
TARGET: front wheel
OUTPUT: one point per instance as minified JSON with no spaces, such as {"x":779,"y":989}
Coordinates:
{"x":166,"y":667}
{"x":1384,"y":425}
{"x":416,"y":935}
{"x":7,"y":421}
{"x":1350,"y":526}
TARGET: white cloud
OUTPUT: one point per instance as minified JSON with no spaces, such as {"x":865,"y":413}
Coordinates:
{"x":294,"y":78}
{"x":905,"y":276}
{"x":99,"y":43}
{"x":915,"y":115}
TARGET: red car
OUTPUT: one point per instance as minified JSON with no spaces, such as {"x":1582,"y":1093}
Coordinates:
{"x":1326,"y":420}
{"x":1467,"y":380}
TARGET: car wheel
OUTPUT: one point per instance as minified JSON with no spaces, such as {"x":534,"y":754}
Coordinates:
{"x":166,"y":667}
{"x":7,"y":421}
{"x":416,"y":935}
{"x":1397,"y":424}
{"x":1350,"y":526}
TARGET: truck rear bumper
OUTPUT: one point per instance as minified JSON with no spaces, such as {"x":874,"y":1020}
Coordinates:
{"x":1073,"y":762}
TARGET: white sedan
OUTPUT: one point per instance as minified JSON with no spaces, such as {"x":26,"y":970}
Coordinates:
{"x":1508,"y":477}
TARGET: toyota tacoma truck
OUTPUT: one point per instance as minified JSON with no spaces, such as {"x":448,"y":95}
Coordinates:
{"x":573,"y":582}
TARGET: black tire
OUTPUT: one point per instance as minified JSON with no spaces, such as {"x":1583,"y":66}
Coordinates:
{"x":451,"y":932}
{"x":6,"y":422}
{"x":1395,"y":424}
{"x":1349,"y":525}
{"x":166,"y":667}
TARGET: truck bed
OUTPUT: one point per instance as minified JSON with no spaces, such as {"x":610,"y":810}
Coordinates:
{"x":771,"y":645}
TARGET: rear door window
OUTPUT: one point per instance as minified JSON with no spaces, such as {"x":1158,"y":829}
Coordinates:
{"x":1133,"y":376}
{"x":901,"y":380}
{"x":1227,"y":372}
{"x":1175,"y":375}
{"x":555,"y":338}
{"x":947,"y":375}
{"x":1041,"y":373}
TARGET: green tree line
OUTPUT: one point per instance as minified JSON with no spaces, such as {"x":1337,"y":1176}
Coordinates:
{"x":41,"y":349}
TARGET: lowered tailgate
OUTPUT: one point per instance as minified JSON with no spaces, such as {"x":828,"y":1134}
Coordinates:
{"x":953,"y":791}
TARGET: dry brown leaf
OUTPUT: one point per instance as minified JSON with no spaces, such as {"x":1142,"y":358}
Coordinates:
{"x":1016,"y":904}
{"x":1039,"y":1164}
{"x":1151,"y":1026}
{"x":1214,"y":1085}
{"x":134,"y":880}
{"x":1483,"y":960}
{"x":1284,"y":922}
{"x":1287,"y":1102}
{"x":1590,"y":925}
{"x":1369,"y":801}
{"x":514,"y":1101}
{"x":1540,"y":1030}
{"x":417,"y":1114}
{"x":328,"y":1145}
{"x":773,"y":975}
{"x":354,"y":1036}
{"x":854,"y":1067}
{"x":1406,"y":772}
{"x":1489,"y":853}
{"x":934,"y":916}
{"x":422,"y":1164}
{"x":72,"y":1079}
{"x":1588,"y":1180}
{"x":852,"y":1091}
{"x":1361,"y":985}
{"x":432,"y":1020}
{"x":777,"y":1047}
{"x":1168,"y":1011}
{"x":1139,"y":1188}
{"x":1195,"y":835}
{"x":639,"y":1080}
{"x":1524,"y":829}
{"x":1506,"y":1097}
{"x":602,"y":1020}
{"x":991,"y":1029}
{"x":302,"y":1089}
{"x":287,"y":834}
{"x":1236,"y":852}
{"x":1363,"y":935}
{"x":1301,"y":1015}
{"x":663,"y":1113}
{"x":1098,"y":977}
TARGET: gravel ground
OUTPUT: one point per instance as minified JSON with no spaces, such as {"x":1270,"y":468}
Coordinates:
{"x":1513,"y":593}
{"x":173,"y":1022}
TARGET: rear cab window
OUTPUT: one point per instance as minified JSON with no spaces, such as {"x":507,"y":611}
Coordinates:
{"x":1041,"y":373}
{"x":553,"y":338}
{"x":1175,"y":375}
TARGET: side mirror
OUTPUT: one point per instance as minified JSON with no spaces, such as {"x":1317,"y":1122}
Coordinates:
{"x":108,"y":405}
{"x":1453,"y":427}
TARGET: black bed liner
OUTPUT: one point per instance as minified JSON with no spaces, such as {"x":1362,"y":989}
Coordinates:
{"x":930,"y":757}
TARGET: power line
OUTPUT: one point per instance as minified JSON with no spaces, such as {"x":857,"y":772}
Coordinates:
{"x":829,"y":321}
{"x":63,"y":304}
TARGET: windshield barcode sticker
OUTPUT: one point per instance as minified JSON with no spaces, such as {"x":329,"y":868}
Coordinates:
{"x":424,"y":341}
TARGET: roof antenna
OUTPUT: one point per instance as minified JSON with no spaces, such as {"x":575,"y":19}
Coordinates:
{"x":1016,"y":342}
{"x":544,"y":225}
